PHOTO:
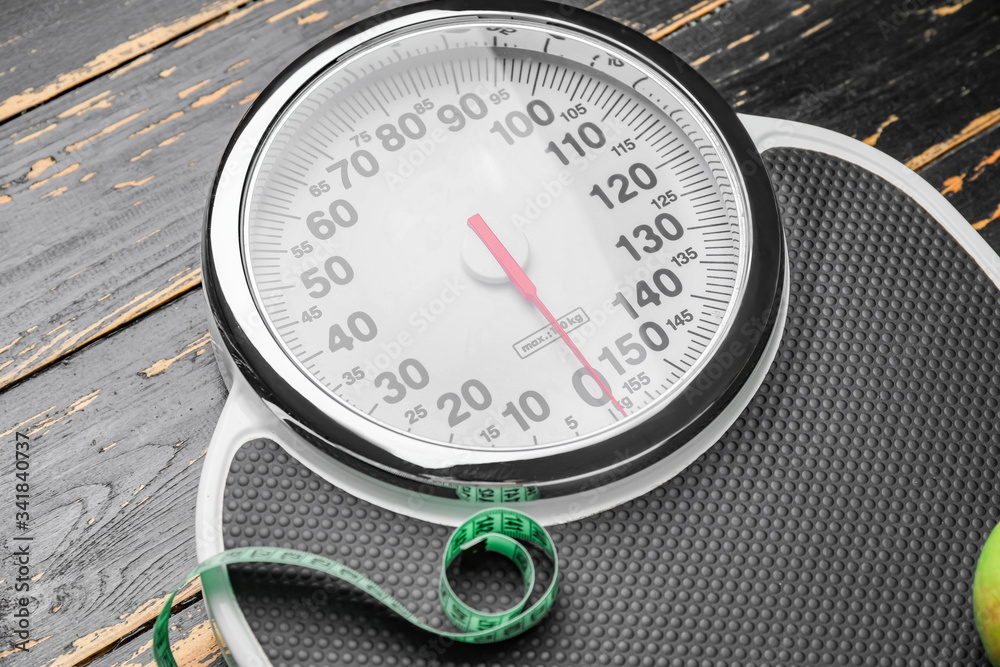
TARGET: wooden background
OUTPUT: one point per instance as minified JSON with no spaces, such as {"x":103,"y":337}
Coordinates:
{"x":113,"y":117}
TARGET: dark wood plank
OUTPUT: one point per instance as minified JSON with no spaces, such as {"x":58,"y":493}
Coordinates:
{"x":51,"y":47}
{"x":915,"y":83}
{"x":970,"y":179}
{"x":132,"y":176}
{"x":126,"y":183}
{"x":921,"y":85}
{"x":191,"y":640}
{"x":118,"y":432}
{"x":656,"y":19}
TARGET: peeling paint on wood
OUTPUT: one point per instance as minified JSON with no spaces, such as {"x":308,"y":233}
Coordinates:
{"x":38,"y":168}
{"x":68,"y":170}
{"x":985,"y":221}
{"x":51,"y":416}
{"x":197,"y":649}
{"x":55,"y":193}
{"x":221,"y":23}
{"x":132,"y":184}
{"x":167,"y":142}
{"x":99,"y":577}
{"x":212,"y":97}
{"x":99,"y":101}
{"x":187,"y":91}
{"x":29,"y":420}
{"x":132,"y":65}
{"x":94,"y":643}
{"x":742,"y":40}
{"x":73,"y":408}
{"x":681,"y":20}
{"x":311,"y":18}
{"x":816,"y":28}
{"x":36,"y":134}
{"x":197,"y":348}
{"x":987,"y":161}
{"x":291,"y":10}
{"x":68,"y":341}
{"x":175,"y":115}
{"x":28,"y":645}
{"x":953,"y":185}
{"x":113,"y":57}
{"x":9,"y":345}
{"x":977,"y":126}
{"x":950,"y":9}
{"x":881,"y":128}
{"x":192,"y":643}
{"x":105,"y":132}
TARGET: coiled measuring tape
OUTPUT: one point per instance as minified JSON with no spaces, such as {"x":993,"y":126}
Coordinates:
{"x":497,"y":530}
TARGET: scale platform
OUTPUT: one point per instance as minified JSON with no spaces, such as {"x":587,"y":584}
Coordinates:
{"x":837,"y":521}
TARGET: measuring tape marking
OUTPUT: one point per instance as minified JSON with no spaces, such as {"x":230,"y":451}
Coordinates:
{"x":495,"y":529}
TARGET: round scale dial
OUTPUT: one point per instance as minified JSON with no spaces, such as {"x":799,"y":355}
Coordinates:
{"x":403,"y":198}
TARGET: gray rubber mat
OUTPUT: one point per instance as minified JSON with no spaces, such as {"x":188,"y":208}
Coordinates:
{"x":837,"y":523}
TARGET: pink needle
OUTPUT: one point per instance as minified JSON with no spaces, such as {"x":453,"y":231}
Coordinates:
{"x":528,"y":290}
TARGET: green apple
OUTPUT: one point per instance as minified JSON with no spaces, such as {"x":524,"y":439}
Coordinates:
{"x":986,"y":596}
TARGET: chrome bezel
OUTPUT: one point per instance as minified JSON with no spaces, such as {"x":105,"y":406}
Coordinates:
{"x":378,"y":447}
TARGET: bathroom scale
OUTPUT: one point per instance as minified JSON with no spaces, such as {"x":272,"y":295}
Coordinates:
{"x":688,"y":387}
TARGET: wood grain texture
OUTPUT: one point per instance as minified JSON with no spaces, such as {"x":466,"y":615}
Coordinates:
{"x":116,"y":455}
{"x":102,"y":194}
{"x":916,"y":83}
{"x":191,"y":640}
{"x":106,"y":34}
{"x":970,"y":179}
{"x":130,"y":181}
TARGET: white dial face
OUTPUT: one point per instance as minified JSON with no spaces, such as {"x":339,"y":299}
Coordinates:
{"x":495,"y":236}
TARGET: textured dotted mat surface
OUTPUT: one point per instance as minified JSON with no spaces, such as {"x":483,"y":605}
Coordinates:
{"x":837,"y":523}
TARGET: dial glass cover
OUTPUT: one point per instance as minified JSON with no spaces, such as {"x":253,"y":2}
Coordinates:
{"x":601,"y":178}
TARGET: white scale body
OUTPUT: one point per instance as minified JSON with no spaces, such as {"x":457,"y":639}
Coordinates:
{"x":362,"y":325}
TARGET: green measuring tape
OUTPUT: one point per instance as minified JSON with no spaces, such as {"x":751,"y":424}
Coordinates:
{"x":494,"y":530}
